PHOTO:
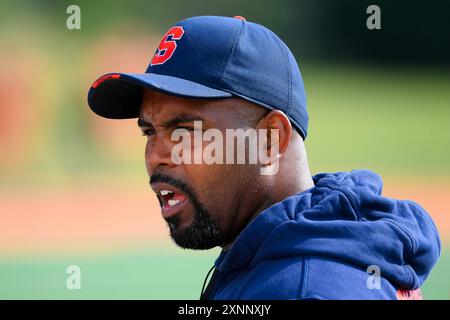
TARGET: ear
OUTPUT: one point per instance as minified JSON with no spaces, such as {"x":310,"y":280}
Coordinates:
{"x":277,"y":120}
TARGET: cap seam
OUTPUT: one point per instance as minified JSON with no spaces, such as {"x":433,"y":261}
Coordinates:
{"x":289,"y":79}
{"x":226,"y":56}
{"x":231,"y":53}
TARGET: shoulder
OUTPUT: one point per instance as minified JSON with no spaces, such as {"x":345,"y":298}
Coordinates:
{"x":271,"y":279}
{"x":305,"y":277}
{"x":327,"y":278}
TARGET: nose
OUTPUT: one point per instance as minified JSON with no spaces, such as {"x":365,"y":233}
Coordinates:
{"x":158,"y":153}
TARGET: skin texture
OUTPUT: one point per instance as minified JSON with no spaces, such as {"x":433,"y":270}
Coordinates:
{"x":230,"y":195}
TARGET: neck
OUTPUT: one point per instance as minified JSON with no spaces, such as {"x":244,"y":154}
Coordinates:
{"x":291,"y":187}
{"x":282,"y":189}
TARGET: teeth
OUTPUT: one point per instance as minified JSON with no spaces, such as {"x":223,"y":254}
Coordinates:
{"x":165,"y":192}
{"x":173,"y":202}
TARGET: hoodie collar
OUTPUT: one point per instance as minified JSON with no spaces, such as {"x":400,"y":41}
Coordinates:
{"x":344,"y":217}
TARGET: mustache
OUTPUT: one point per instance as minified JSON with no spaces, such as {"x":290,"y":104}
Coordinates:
{"x":177,"y":183}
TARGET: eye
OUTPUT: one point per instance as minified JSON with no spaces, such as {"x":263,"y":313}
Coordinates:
{"x":148,"y":132}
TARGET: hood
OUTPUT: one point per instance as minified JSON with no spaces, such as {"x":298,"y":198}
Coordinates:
{"x":344,"y":217}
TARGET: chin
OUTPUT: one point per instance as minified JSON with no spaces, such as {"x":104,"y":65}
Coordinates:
{"x":187,"y":238}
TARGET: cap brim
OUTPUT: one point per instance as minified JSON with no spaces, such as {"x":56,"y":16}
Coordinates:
{"x":119,"y":95}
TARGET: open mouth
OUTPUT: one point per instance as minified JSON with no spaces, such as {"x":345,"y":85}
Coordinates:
{"x":170,"y":200}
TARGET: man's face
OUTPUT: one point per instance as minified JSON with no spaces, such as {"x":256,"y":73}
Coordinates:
{"x":204,"y":205}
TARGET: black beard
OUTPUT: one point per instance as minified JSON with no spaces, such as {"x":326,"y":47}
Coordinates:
{"x":203,"y":233}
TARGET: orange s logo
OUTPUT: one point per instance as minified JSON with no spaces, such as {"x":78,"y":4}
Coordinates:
{"x":167,"y":45}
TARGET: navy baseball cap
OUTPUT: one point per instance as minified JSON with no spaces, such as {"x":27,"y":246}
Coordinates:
{"x":211,"y":57}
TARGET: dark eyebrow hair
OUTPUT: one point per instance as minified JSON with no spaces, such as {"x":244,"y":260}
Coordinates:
{"x":184,"y":117}
{"x":143,"y":123}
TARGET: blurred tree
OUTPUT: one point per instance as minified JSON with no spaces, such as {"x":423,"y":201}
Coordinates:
{"x":411,"y":31}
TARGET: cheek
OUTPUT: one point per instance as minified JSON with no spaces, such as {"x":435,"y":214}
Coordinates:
{"x":146,"y":156}
{"x":215,"y":186}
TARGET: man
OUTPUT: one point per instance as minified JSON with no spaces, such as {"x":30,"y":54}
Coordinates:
{"x":284,"y":233}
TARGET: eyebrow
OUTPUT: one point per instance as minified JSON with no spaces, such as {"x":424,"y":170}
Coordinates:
{"x":143,"y":123}
{"x":180,"y":118}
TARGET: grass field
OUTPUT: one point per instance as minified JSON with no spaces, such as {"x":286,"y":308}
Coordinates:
{"x":145,"y":274}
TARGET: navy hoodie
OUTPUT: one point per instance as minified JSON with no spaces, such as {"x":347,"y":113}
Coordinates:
{"x":319,"y":244}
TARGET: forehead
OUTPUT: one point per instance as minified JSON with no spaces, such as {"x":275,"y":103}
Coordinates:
{"x":157,"y":106}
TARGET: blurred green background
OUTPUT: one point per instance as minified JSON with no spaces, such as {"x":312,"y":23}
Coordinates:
{"x":73,"y":187}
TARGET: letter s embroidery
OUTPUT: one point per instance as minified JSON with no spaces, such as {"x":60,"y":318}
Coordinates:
{"x":167,"y":45}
